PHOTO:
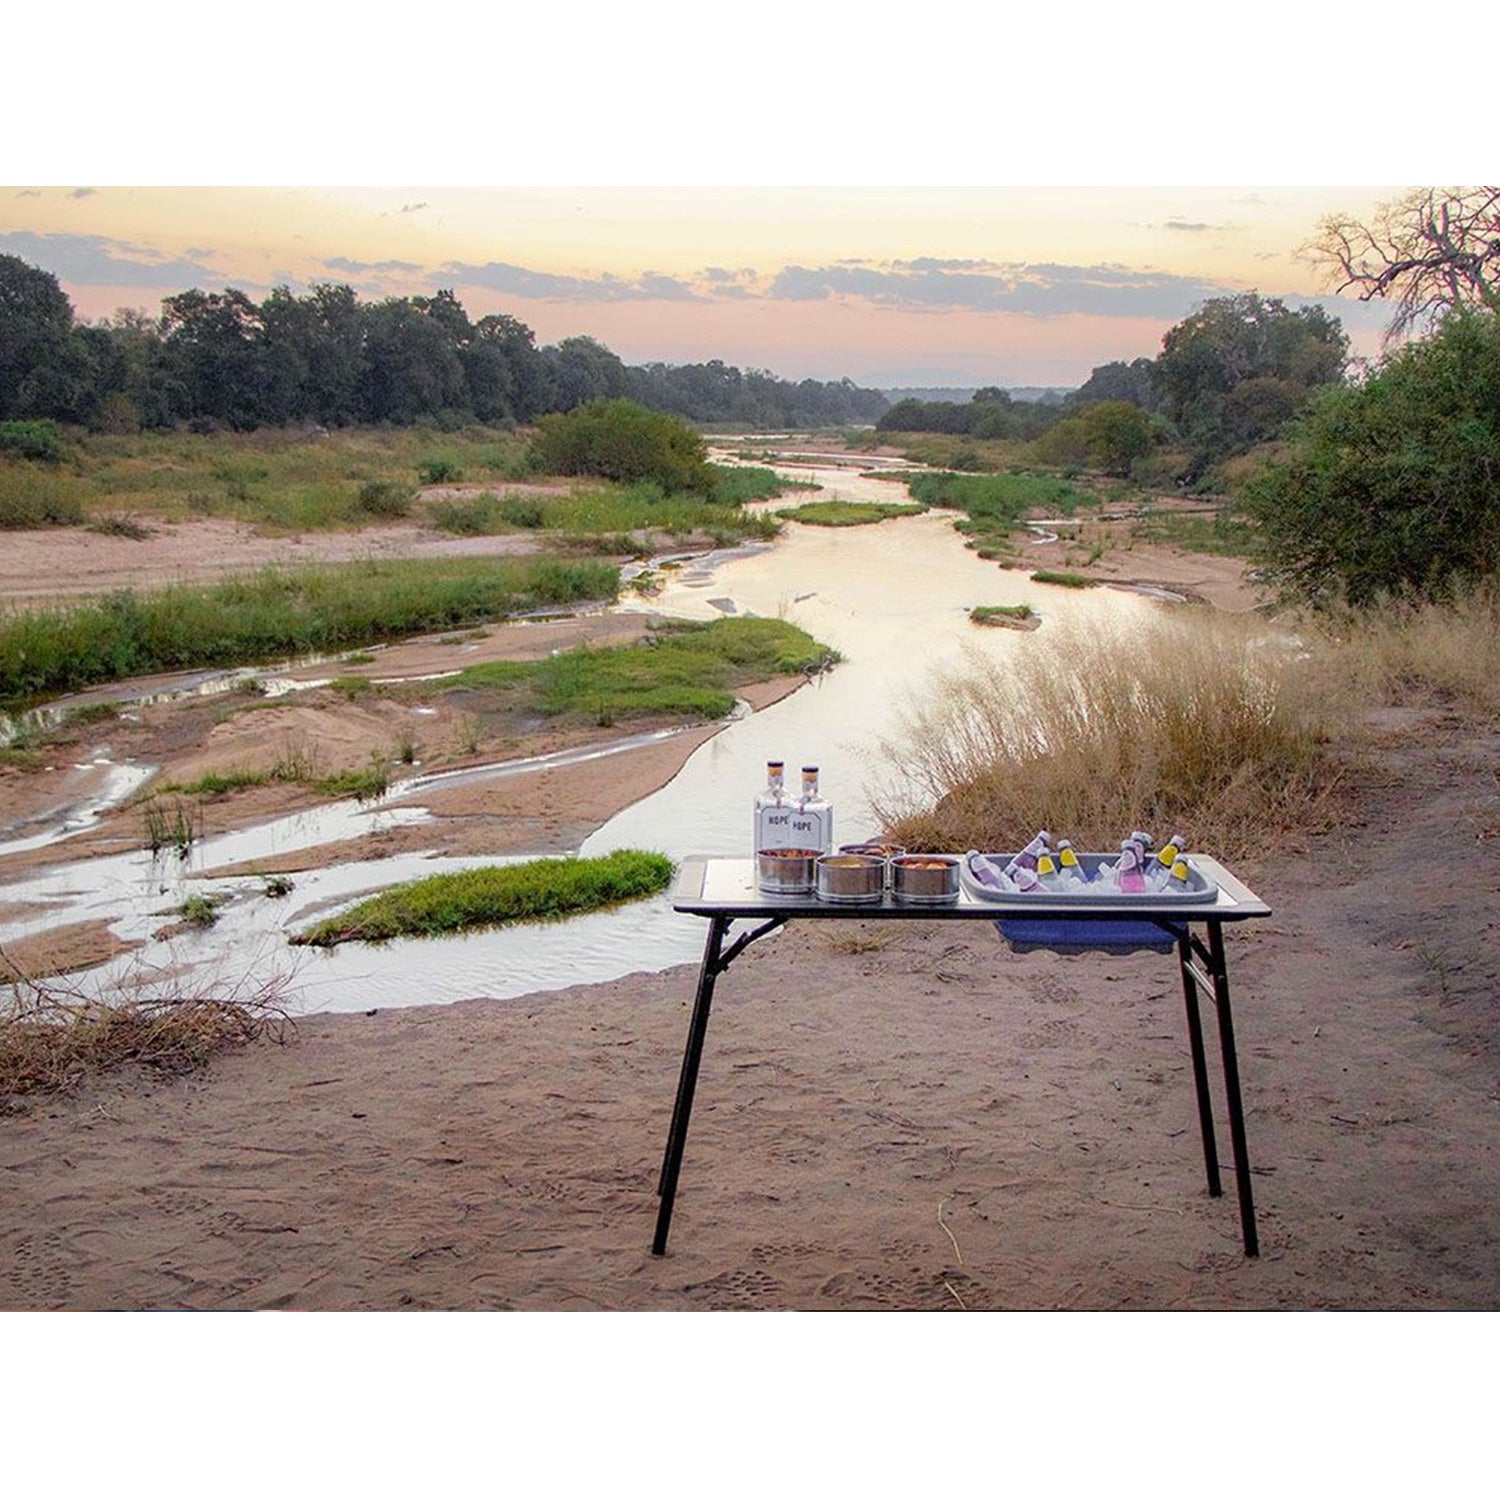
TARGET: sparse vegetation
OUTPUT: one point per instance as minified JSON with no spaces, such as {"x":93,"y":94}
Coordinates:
{"x":1013,"y":616}
{"x":53,"y":1036}
{"x":535,"y":891}
{"x":1063,"y":580}
{"x":171,"y":825}
{"x":848,"y":513}
{"x":200,"y":911}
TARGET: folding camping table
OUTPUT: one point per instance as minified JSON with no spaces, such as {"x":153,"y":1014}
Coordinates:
{"x":724,"y":891}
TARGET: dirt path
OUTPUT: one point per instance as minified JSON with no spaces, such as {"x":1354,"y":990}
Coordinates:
{"x":909,"y":1119}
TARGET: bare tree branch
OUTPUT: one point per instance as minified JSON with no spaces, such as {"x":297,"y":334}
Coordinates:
{"x":1430,"y":251}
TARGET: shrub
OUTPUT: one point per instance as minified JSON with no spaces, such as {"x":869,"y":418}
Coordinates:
{"x":1389,"y":488}
{"x":379,"y":497}
{"x":38,"y":441}
{"x":625,"y":441}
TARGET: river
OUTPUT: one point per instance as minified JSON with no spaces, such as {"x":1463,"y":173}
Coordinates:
{"x":891,"y":598}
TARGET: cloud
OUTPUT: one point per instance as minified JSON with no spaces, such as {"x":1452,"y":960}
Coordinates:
{"x":29,"y":193}
{"x":83,"y":192}
{"x":1190,"y":228}
{"x":363,"y":267}
{"x":1039,"y":291}
{"x":518,"y":281}
{"x":411,"y":208}
{"x":94,"y":260}
{"x":929,"y":263}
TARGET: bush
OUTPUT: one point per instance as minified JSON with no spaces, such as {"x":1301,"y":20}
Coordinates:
{"x":379,"y":497}
{"x":1389,"y":488}
{"x":622,"y":440}
{"x":38,"y":441}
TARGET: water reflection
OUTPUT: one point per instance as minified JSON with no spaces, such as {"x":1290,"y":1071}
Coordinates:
{"x":892,"y":599}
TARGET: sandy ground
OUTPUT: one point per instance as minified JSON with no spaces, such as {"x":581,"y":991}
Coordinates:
{"x":36,"y":566}
{"x":889,"y":1117}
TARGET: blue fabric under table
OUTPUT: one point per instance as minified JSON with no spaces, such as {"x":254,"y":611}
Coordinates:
{"x":1041,"y":934}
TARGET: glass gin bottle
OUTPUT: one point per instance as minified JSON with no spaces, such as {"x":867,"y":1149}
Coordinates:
{"x":812,"y":822}
{"x":773,"y":811}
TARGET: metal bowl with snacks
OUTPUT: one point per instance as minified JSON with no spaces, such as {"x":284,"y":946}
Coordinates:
{"x":925,"y":878}
{"x":885,"y":853}
{"x":851,"y":877}
{"x":786,"y":872}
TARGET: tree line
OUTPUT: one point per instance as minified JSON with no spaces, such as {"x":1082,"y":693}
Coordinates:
{"x":1229,"y":376}
{"x":220,"y":359}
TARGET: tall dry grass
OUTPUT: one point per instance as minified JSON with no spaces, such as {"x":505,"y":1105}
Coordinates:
{"x":1213,"y":726}
{"x":1403,"y":652}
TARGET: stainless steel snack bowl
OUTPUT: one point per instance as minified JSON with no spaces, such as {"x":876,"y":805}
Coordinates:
{"x":925,"y":877}
{"x":851,"y":877}
{"x":786,"y":872}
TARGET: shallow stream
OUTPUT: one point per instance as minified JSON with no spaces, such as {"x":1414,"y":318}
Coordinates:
{"x":892,"y":599}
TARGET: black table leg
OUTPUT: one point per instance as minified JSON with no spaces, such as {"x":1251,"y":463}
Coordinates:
{"x":687,"y":1081}
{"x":1200,"y":1064}
{"x":1220,"y":973}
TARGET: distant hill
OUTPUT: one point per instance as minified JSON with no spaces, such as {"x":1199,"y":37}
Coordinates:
{"x":1042,"y":393}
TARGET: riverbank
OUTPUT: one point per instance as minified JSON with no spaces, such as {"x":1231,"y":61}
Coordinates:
{"x":910,"y":1118}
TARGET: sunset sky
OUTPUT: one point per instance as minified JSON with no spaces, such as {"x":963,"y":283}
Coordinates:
{"x":1027,"y":284}
{"x":889,"y":286}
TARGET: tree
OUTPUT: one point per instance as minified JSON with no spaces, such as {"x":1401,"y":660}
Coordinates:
{"x":1430,"y":252}
{"x":1390,"y":488}
{"x":411,"y":367}
{"x":214,"y":347}
{"x":1118,"y":381}
{"x":582,"y":369}
{"x":1233,"y":340}
{"x":41,"y":364}
{"x":1107,"y":435}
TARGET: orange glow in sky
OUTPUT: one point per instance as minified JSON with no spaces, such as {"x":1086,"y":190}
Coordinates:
{"x":887,"y":285}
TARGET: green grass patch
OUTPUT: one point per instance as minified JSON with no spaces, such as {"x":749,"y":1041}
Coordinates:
{"x":687,"y":671}
{"x":737,"y":484}
{"x":277,"y":613}
{"x":1063,"y":580}
{"x":848,"y":513}
{"x":1000,"y":497}
{"x":32,"y":496}
{"x":217,"y":783}
{"x":601,"y":517}
{"x":201,"y":911}
{"x":539,"y":890}
{"x":1002,"y":614}
{"x":1223,"y":534}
